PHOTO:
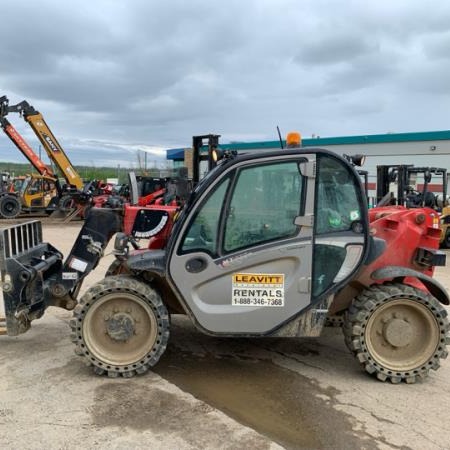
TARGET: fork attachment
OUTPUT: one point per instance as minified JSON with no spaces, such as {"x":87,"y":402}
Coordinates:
{"x":25,"y":263}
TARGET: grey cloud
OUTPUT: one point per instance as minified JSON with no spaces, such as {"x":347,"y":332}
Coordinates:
{"x":334,"y":49}
{"x":437,"y":46}
{"x":111,"y":74}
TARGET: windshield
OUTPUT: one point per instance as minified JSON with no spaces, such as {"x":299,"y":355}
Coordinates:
{"x":185,"y":208}
{"x":203,"y":181}
{"x":24,"y":185}
{"x":17,"y":185}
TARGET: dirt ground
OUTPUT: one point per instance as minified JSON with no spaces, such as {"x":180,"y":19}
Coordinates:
{"x":210,"y":392}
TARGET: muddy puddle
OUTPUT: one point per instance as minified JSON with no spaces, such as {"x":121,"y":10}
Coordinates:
{"x":281,"y":404}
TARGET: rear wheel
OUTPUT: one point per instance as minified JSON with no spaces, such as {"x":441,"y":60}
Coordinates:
{"x":397,"y":332}
{"x":121,"y":327}
{"x":9,"y":207}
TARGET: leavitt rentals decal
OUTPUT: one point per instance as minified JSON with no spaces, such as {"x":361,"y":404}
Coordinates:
{"x":256,"y":289}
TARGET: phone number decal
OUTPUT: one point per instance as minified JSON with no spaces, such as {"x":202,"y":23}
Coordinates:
{"x":254,"y":289}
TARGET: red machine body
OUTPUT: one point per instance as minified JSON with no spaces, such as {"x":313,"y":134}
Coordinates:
{"x":404,"y":231}
{"x":152,"y":222}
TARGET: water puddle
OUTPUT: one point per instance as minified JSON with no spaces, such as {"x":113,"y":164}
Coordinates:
{"x":283,"y":405}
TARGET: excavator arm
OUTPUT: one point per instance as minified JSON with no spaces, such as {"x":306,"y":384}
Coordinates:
{"x":46,"y":137}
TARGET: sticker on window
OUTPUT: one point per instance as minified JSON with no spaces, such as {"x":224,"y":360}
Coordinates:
{"x":354,"y":215}
{"x":334,"y":220}
{"x":256,"y":289}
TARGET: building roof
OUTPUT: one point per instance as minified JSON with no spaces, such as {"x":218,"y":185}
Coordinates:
{"x":178,"y":153}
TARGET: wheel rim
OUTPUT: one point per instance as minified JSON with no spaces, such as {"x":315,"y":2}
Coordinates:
{"x":402,"y":335}
{"x":120,"y":329}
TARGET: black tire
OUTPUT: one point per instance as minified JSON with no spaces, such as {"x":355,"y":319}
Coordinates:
{"x":397,"y":332}
{"x":121,"y":327}
{"x":66,"y":203}
{"x":10,"y":207}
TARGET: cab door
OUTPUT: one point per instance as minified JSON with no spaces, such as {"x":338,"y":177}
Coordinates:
{"x":34,"y":195}
{"x":341,"y":225}
{"x":243,"y":259}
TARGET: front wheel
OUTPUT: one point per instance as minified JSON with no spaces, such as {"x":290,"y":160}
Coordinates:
{"x":9,"y":207}
{"x":66,"y":203}
{"x":397,"y":332}
{"x":121,"y":327}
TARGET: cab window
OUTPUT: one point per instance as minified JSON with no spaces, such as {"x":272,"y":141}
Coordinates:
{"x":265,"y":202}
{"x":35,"y":186}
{"x":203,"y":230}
{"x":338,"y":207}
{"x":337,"y":198}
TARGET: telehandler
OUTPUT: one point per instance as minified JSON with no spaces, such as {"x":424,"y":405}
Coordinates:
{"x":43,"y":192}
{"x":268,"y":244}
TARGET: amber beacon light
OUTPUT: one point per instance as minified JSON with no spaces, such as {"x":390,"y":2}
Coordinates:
{"x":293,"y":139}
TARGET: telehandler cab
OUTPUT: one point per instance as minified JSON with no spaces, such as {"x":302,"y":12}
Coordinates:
{"x":268,"y":244}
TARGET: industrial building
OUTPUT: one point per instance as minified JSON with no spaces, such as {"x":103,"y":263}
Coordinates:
{"x":429,"y":148}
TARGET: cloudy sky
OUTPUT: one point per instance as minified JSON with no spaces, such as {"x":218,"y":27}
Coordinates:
{"x":111,"y":77}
